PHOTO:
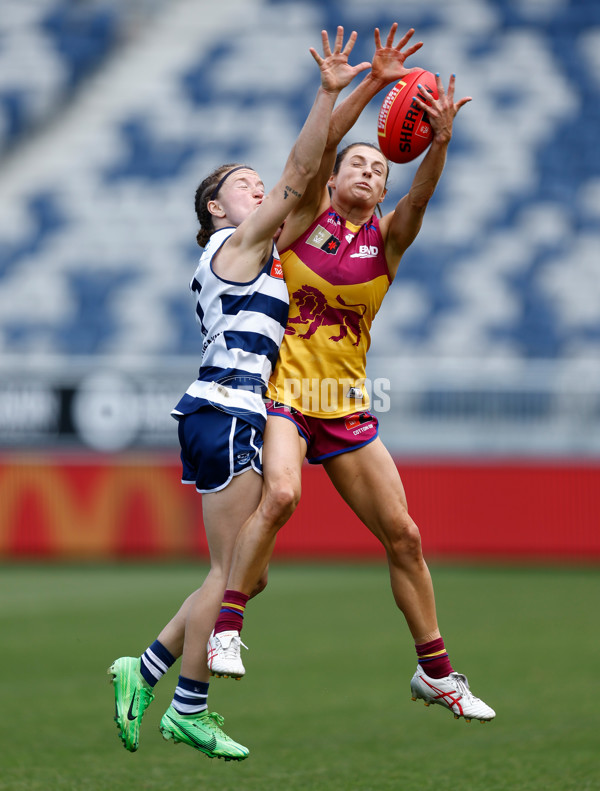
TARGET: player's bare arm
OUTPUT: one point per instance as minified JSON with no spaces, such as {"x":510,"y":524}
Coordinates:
{"x":387,"y":66}
{"x":253,"y":239}
{"x":400,"y":227}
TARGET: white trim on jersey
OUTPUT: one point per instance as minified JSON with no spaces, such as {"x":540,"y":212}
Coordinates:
{"x":219,"y":395}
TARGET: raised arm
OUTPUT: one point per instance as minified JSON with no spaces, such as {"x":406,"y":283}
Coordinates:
{"x":251,"y":244}
{"x":400,"y":227}
{"x":387,"y":67}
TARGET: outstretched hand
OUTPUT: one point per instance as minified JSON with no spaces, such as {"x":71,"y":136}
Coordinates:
{"x":388,"y":61}
{"x":336,"y":72}
{"x":441,"y":111}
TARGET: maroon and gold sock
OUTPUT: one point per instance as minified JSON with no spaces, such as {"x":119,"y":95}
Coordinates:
{"x":433,"y":658}
{"x":231,"y":616}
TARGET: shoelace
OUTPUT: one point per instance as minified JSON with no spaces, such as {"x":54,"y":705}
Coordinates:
{"x":463,"y":685}
{"x":217,"y":722}
{"x":215,"y":726}
{"x":234,"y":646}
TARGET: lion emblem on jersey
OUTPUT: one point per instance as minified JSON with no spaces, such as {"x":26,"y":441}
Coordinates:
{"x":315,"y":311}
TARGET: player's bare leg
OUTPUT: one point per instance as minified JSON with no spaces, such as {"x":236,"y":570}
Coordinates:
{"x":220,"y":513}
{"x":223,"y":513}
{"x":283,"y":454}
{"x":187,"y":719}
{"x":369,"y":482}
{"x":187,"y":632}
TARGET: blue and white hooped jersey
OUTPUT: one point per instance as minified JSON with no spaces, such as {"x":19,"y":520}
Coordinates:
{"x":243,"y":325}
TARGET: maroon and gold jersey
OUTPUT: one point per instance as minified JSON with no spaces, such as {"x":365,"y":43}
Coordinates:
{"x":337,"y":275}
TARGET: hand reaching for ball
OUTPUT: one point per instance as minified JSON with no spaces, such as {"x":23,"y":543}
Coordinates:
{"x":441,"y":111}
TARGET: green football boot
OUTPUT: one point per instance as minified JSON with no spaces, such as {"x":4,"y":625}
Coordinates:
{"x":132,"y":697}
{"x":203,"y":732}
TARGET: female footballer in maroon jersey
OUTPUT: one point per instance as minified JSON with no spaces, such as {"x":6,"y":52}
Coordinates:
{"x":338,"y":260}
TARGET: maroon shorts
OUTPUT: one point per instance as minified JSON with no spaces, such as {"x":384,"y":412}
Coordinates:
{"x":326,"y":437}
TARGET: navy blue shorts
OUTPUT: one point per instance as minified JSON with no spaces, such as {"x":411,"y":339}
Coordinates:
{"x":215,"y":446}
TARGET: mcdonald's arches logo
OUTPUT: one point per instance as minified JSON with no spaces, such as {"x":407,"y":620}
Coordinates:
{"x":88,"y":509}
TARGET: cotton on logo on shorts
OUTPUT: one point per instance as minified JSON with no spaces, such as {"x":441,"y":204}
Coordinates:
{"x":362,"y":429}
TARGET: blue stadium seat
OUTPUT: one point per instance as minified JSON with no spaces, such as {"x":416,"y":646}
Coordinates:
{"x":47,"y":49}
{"x":147,"y":156}
{"x":120,"y":206}
{"x":83,"y":36}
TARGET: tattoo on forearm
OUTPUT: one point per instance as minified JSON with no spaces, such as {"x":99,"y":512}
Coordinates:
{"x":287,"y":190}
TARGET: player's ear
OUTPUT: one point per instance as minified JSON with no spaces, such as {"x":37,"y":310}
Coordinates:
{"x":214,"y":208}
{"x":383,"y":194}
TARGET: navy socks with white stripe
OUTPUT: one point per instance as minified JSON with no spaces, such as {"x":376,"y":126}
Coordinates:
{"x":190,"y":696}
{"x":155,"y":661}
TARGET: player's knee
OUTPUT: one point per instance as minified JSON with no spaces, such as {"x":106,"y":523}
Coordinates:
{"x":280,"y":502}
{"x":404,"y":540}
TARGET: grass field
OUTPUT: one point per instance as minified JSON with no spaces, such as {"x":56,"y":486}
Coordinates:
{"x":326,"y":702}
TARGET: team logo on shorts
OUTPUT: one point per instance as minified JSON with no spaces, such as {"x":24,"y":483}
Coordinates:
{"x":323,"y":240}
{"x":352,"y":421}
{"x":243,"y":458}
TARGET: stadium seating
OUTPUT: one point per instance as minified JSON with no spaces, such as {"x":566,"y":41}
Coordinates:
{"x":97,"y":230}
{"x":47,"y":48}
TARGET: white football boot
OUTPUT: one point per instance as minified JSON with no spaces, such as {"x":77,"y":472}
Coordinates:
{"x":452,"y":692}
{"x":223,"y":655}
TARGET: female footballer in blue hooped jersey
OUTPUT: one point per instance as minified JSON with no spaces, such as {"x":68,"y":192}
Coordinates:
{"x":339,"y":259}
{"x":242,"y":308}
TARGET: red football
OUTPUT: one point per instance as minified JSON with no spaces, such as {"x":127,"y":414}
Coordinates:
{"x":403,"y":128}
